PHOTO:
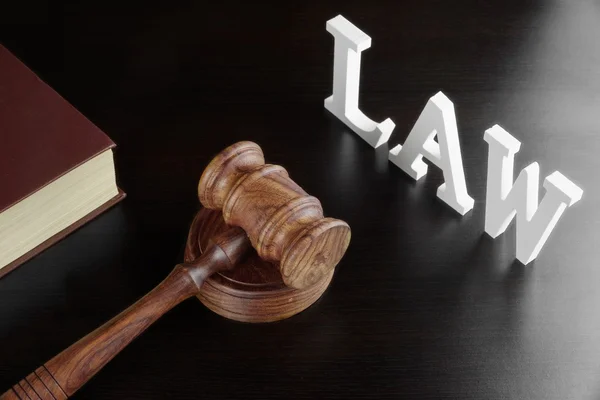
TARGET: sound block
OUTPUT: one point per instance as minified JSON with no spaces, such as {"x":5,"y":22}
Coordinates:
{"x":252,"y":292}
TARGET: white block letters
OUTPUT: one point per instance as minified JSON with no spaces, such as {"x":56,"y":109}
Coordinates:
{"x":343,"y":103}
{"x":437,"y":118}
{"x":505,"y":199}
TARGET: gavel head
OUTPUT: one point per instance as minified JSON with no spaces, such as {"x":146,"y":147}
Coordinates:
{"x":283,"y":223}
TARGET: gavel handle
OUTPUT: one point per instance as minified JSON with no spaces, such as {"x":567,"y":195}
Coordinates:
{"x":63,"y":375}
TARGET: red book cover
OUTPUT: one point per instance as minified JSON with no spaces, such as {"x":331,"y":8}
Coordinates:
{"x":42,"y":137}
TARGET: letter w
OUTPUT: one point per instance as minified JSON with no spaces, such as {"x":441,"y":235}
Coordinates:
{"x":505,"y":200}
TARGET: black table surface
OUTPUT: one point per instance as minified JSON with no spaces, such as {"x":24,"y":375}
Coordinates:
{"x":424,"y":305}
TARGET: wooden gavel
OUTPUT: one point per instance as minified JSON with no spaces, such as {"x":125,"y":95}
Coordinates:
{"x":264,"y":208}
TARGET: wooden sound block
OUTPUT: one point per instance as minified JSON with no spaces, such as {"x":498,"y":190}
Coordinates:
{"x":252,"y":292}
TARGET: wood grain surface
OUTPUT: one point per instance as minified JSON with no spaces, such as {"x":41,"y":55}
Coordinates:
{"x":305,"y":237}
{"x":72,"y":368}
{"x":284,"y":223}
{"x":424,"y":305}
{"x":254,"y":291}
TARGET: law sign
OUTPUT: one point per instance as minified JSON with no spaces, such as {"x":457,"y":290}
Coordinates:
{"x":505,"y":198}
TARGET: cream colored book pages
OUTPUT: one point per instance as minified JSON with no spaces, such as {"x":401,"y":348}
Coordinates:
{"x":56,"y":206}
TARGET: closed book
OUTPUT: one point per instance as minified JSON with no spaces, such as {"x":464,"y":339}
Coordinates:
{"x":56,"y":167}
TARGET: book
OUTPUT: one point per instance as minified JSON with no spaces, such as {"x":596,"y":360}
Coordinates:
{"x":56,"y":167}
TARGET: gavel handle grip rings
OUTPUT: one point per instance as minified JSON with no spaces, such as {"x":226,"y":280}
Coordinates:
{"x":63,"y":375}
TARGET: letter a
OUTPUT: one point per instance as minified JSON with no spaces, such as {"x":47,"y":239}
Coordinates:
{"x":437,"y":118}
{"x":349,"y":43}
{"x":505,"y":199}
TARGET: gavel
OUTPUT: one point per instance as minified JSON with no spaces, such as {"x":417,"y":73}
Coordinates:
{"x":264,"y":209}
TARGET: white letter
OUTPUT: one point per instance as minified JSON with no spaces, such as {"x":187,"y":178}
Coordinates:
{"x":349,"y":43}
{"x":438,"y":119}
{"x":504,"y":200}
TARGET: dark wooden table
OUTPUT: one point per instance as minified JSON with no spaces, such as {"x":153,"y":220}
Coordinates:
{"x":424,"y":305}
